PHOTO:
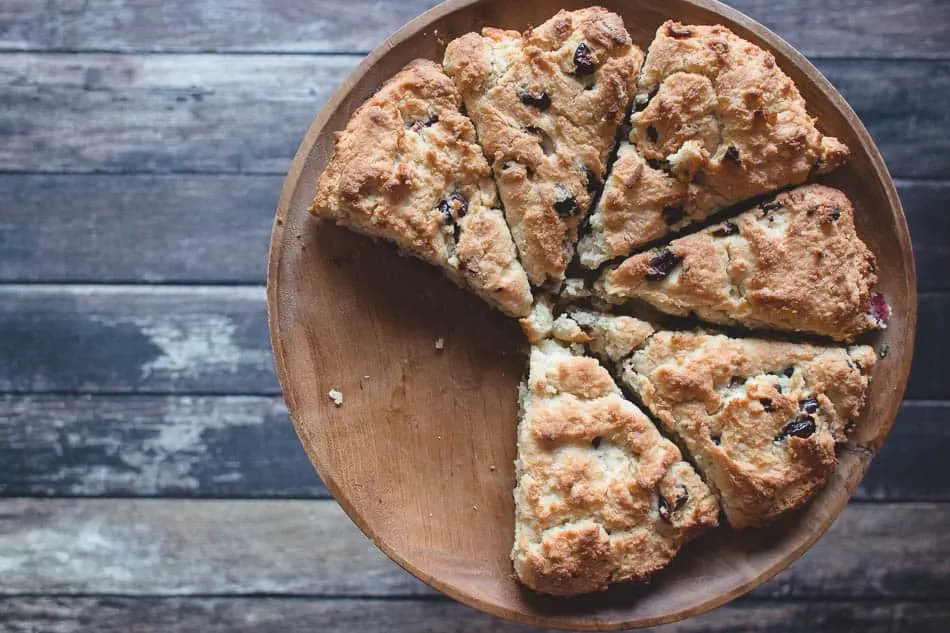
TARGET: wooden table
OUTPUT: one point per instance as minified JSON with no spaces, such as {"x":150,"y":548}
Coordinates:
{"x":150,"y":477}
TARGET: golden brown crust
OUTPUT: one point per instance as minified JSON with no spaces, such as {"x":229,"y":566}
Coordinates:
{"x":407,"y":169}
{"x":759,"y":418}
{"x":547,"y":123}
{"x":792,"y":263}
{"x":720,"y":123}
{"x":602,"y":497}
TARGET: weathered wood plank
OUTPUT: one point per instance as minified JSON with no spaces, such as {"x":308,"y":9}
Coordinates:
{"x":898,"y":114}
{"x":247,"y":114}
{"x":242,"y":446}
{"x":152,"y":228}
{"x":215,"y":228}
{"x":142,"y":547}
{"x":128,"y":338}
{"x":910,"y":466}
{"x":232,"y":446}
{"x":931,"y":350}
{"x":315,"y":26}
{"x":873,"y":28}
{"x":163,"y":113}
{"x":201,"y":339}
{"x":283,"y":615}
{"x":160,"y":547}
{"x":926,"y":206}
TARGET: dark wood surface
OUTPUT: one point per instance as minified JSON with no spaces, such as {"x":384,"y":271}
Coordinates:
{"x":142,"y":147}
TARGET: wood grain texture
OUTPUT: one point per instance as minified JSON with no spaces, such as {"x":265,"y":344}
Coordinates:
{"x":142,"y":547}
{"x":300,"y":26}
{"x":160,"y":113}
{"x":309,"y":548}
{"x":283,"y":615}
{"x":244,"y":446}
{"x":214,"y":228}
{"x":231,"y":446}
{"x":925,"y":205}
{"x":911,"y":465}
{"x":131,"y":338}
{"x":184,"y":113}
{"x":845,"y":28}
{"x":149,"y":228}
{"x":932,"y":354}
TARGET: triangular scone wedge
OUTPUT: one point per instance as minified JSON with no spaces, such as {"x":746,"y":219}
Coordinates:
{"x":793,"y":263}
{"x":601,"y":496}
{"x":547,"y":105}
{"x":760,"y":419}
{"x":407,"y":169}
{"x":715,"y":122}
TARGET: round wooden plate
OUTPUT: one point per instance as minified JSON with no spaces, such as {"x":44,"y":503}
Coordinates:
{"x":420,"y":454}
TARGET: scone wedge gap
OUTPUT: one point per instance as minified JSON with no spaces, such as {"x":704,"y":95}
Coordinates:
{"x":601,"y":496}
{"x":547,"y":104}
{"x":715,"y":122}
{"x":407,"y":170}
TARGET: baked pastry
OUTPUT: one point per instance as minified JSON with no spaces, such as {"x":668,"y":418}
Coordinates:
{"x":407,"y":169}
{"x":547,"y":105}
{"x":601,"y":496}
{"x":760,"y":419}
{"x":792,"y":263}
{"x":611,"y":337}
{"x":715,"y":122}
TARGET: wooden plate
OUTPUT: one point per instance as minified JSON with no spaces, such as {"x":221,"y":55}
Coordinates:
{"x":420,"y":454}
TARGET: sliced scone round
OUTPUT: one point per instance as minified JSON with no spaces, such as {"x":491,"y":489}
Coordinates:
{"x":547,"y":105}
{"x":715,"y":122}
{"x":601,"y":496}
{"x":759,"y":418}
{"x":793,"y":263}
{"x":407,"y":169}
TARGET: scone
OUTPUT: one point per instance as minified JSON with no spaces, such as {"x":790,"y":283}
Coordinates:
{"x":407,"y":169}
{"x":760,"y":419}
{"x":792,"y":263}
{"x":610,"y":337}
{"x":715,"y":122}
{"x":547,"y":105}
{"x":601,"y":496}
